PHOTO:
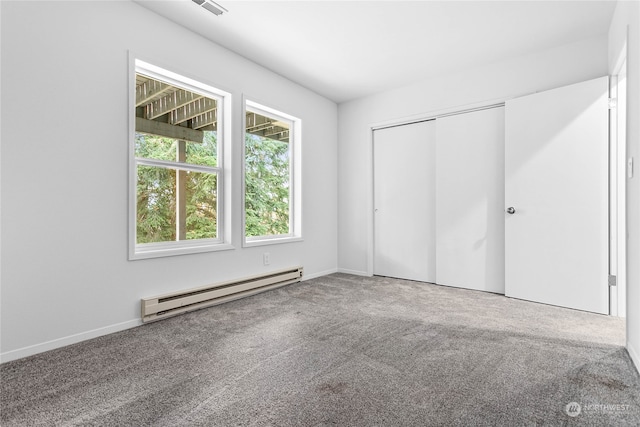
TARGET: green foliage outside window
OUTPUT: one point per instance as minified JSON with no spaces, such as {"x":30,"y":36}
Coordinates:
{"x":266,"y":193}
{"x":156,"y":204}
{"x":267,"y":178}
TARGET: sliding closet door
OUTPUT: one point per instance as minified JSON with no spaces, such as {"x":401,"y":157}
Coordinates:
{"x":404,"y":198}
{"x":470,"y":200}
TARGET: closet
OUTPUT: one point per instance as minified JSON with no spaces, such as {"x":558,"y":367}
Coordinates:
{"x":438,"y":200}
{"x":510,"y":199}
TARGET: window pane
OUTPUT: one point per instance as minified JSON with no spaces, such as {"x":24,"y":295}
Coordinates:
{"x":201,"y":204}
{"x":165,"y":195}
{"x":156,"y":205}
{"x":267,"y":183}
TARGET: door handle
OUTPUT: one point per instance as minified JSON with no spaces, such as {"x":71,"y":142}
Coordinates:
{"x":511,"y":210}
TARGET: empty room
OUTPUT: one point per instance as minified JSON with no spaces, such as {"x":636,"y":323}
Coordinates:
{"x":315,"y":213}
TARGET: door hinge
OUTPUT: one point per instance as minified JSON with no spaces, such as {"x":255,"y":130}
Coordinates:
{"x":613,"y":280}
{"x":613,"y":103}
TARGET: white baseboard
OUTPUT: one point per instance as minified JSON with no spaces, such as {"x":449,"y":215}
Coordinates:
{"x":65,"y":341}
{"x":354,"y":272}
{"x":634,"y":355}
{"x":320,"y":274}
{"x":83,"y":336}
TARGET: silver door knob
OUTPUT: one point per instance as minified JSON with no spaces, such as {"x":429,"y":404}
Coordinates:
{"x":511,"y":210}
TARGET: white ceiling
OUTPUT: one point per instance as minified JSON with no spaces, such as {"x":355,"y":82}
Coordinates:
{"x":349,"y":49}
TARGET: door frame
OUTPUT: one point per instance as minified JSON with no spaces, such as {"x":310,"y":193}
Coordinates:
{"x":617,"y":197}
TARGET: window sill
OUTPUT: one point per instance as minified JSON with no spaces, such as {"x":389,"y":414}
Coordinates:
{"x":271,"y":241}
{"x":164,"y":251}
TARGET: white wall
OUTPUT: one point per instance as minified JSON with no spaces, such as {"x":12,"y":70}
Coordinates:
{"x":546,"y":70}
{"x":626,"y":23}
{"x":64,"y":269}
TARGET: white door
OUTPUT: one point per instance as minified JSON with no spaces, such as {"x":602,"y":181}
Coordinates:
{"x":404,"y":201}
{"x":556,"y":179}
{"x":470,"y":200}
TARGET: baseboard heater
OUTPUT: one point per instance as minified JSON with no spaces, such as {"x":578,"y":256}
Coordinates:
{"x":167,"y":305}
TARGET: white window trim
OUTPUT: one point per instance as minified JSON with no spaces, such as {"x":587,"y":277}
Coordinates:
{"x":295,"y":186}
{"x":183,"y":247}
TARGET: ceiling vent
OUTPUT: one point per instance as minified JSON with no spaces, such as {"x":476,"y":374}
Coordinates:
{"x":211,"y":6}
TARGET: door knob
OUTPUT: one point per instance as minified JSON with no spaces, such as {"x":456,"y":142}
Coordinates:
{"x":511,"y":210}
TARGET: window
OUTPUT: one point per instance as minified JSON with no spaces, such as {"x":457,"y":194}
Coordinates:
{"x":272,"y":176}
{"x":177,"y":165}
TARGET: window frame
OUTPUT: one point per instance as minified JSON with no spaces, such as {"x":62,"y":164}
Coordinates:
{"x":295,"y":176}
{"x":223,"y":99}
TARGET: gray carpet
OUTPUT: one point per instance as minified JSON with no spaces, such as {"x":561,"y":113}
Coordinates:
{"x":339,"y":350}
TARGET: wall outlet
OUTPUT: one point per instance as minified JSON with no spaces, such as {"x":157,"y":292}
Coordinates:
{"x":266,"y":258}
